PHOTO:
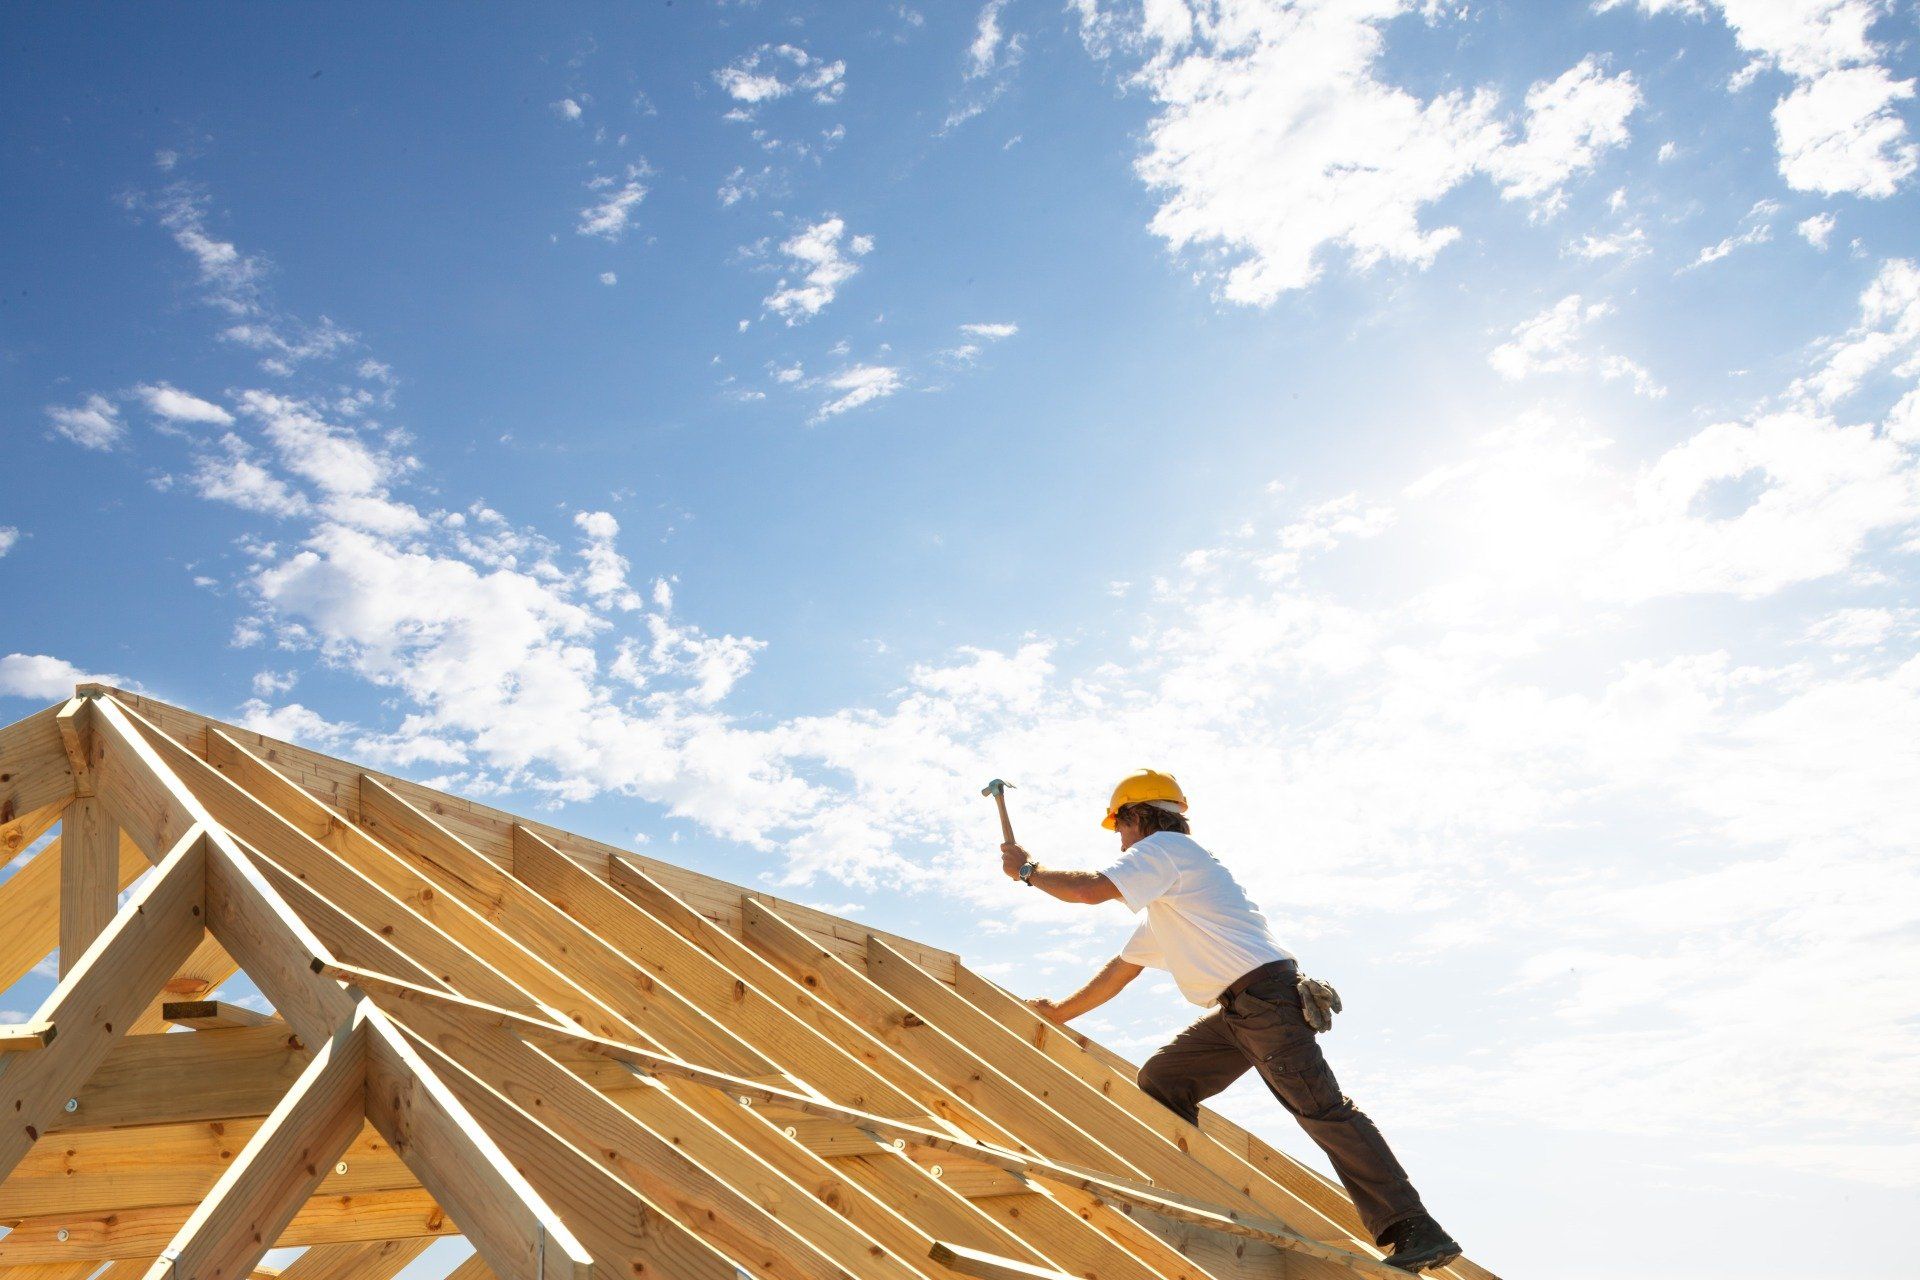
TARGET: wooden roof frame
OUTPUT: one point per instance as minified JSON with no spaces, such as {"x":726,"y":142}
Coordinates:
{"x":592,"y":1064}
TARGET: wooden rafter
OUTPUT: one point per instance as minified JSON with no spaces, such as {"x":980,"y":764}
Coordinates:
{"x":589,"y":1063}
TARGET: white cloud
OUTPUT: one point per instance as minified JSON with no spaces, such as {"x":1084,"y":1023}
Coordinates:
{"x":234,"y":476}
{"x":568,"y":109}
{"x":994,"y":332}
{"x":827,"y":262}
{"x":175,"y":405}
{"x":774,"y":71}
{"x":991,"y":50}
{"x":9,"y":537}
{"x":610,"y":217}
{"x":1837,"y":129}
{"x":44,"y":678}
{"x":1628,"y":244}
{"x":605,"y":580}
{"x":1760,"y":232}
{"x":1839,"y":132}
{"x":231,"y":279}
{"x":1887,"y":336}
{"x":1551,"y":342}
{"x":609,"y":278}
{"x":94,"y":423}
{"x":858,"y":385}
{"x":1275,"y":139}
{"x":1570,"y":122}
{"x":271,"y":684}
{"x":1816,"y":230}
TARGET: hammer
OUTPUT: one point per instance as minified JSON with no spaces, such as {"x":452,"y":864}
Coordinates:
{"x":998,"y":790}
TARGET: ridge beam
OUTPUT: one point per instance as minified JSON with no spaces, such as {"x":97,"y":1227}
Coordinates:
{"x":280,"y":1167}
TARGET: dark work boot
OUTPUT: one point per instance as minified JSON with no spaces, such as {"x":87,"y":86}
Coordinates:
{"x":1419,"y":1243}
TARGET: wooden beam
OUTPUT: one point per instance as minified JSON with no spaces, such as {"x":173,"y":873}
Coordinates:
{"x":198,"y":975}
{"x":24,"y":1037}
{"x":474,"y":1268}
{"x":101,"y":1170}
{"x":30,"y":904}
{"x":36,"y":780}
{"x":89,"y":876}
{"x":629,"y":1234}
{"x":213,"y":1015}
{"x":986,"y":1266}
{"x":18,"y":833}
{"x":373,"y":1260}
{"x":279,"y":1169}
{"x":727,"y":994}
{"x":76,"y":738}
{"x":93,"y":1005}
{"x":237,"y":1073}
{"x":142,"y":1233}
{"x":453,"y":1155}
{"x":952,"y":1064}
{"x":751,"y":1093}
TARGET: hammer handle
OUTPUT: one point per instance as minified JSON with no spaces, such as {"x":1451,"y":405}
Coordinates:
{"x":1006,"y":823}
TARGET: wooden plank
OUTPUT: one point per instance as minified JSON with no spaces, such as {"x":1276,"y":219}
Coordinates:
{"x":89,"y":876}
{"x":24,"y":1037}
{"x":16,"y":834}
{"x":199,"y":974}
{"x":100,"y":1170}
{"x":230,"y":1231}
{"x":452,"y":1154}
{"x":1170,"y":1152}
{"x":350,"y":887}
{"x":374,"y":1260}
{"x":585,"y":977}
{"x":735,"y":956}
{"x":30,"y":904}
{"x":715,"y":1187}
{"x":238,"y":1073}
{"x":142,"y":1233}
{"x":36,"y":780}
{"x":987,"y":1266}
{"x":76,"y":735}
{"x":335,"y":783}
{"x":724,"y":994}
{"x":627,"y":1233}
{"x":461,"y":1161}
{"x":1099,"y":1184}
{"x":952,"y":1064}
{"x":214,"y":1015}
{"x":474,"y":1268}
{"x":93,"y":1005}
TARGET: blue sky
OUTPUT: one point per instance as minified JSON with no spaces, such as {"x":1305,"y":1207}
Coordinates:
{"x":1476,"y":449}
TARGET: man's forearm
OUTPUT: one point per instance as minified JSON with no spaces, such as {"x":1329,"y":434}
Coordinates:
{"x":1104,"y":986}
{"x":1074,"y":886}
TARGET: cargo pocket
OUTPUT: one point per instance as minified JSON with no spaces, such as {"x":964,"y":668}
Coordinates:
{"x":1297,"y":1073}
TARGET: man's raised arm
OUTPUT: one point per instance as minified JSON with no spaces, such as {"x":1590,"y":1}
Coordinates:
{"x":1087,"y":887}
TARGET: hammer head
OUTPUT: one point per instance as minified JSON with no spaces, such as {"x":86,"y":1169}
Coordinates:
{"x":997,"y":787}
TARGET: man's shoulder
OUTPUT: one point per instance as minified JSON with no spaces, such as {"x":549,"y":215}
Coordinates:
{"x":1172,"y":844}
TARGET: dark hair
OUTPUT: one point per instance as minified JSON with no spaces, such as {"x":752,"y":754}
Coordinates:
{"x":1151,"y":818}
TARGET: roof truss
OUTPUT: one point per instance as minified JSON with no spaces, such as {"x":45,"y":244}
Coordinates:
{"x":587,"y":1063}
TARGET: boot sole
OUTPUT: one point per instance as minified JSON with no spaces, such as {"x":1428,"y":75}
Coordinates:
{"x":1441,"y":1259}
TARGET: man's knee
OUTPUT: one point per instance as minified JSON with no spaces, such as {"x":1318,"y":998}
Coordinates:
{"x":1175,"y":1090}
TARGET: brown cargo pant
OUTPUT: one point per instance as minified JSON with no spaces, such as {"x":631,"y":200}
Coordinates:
{"x":1262,"y":1027}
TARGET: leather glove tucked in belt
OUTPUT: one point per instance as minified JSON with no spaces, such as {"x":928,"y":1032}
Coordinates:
{"x":1318,"y":1003}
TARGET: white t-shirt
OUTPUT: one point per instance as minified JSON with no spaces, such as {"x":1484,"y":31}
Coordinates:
{"x":1199,"y":924}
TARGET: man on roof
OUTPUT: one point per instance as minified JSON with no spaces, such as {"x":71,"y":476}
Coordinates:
{"x":1197,"y":923}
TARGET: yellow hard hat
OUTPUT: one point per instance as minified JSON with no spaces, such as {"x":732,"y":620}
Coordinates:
{"x":1141,"y":786}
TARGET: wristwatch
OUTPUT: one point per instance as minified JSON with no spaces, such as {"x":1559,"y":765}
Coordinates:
{"x":1027,"y":869}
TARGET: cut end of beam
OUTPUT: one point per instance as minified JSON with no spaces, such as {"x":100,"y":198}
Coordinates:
{"x":22,"y":1037}
{"x":988,"y":1266}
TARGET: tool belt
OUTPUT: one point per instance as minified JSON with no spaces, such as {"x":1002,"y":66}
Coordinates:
{"x":1286,"y":970}
{"x":1318,"y":1000}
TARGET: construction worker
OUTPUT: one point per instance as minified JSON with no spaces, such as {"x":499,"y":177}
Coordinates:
{"x":1197,"y":923}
